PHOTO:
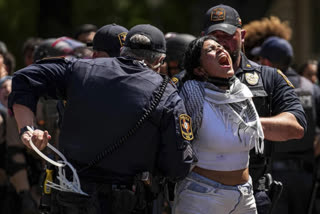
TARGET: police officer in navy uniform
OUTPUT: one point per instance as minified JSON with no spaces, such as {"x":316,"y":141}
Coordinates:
{"x":293,"y":161}
{"x":116,"y":92}
{"x":279,"y":108}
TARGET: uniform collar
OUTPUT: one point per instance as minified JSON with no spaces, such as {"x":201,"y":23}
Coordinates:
{"x":246,"y":64}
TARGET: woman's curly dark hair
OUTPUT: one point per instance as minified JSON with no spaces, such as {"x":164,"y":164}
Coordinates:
{"x":192,"y":57}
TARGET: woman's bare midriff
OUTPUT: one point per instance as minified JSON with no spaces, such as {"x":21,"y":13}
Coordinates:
{"x":225,"y":177}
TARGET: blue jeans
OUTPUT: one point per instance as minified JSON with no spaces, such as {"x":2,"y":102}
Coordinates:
{"x":199,"y":195}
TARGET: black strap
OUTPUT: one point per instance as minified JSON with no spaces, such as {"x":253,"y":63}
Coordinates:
{"x":115,"y":146}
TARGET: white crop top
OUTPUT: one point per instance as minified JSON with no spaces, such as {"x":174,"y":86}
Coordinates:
{"x":221,"y":145}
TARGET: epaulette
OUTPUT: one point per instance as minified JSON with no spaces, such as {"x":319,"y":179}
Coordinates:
{"x":175,"y":80}
{"x":53,"y":59}
{"x":173,"y":83}
{"x":285,"y":78}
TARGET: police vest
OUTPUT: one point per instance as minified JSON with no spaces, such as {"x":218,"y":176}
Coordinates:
{"x":302,"y":148}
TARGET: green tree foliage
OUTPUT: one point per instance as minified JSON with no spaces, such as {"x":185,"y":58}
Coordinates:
{"x":18,"y":20}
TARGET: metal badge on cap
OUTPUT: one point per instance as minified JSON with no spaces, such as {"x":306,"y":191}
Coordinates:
{"x":218,"y":14}
{"x":122,"y":38}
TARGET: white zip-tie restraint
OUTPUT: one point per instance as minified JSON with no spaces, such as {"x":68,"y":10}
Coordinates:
{"x":65,"y":185}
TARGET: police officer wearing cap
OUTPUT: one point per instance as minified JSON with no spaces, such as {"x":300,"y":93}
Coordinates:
{"x":293,"y":161}
{"x":281,"y":113}
{"x":108,"y":40}
{"x":140,"y":123}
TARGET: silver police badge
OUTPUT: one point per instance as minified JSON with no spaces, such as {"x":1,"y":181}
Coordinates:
{"x":252,"y":78}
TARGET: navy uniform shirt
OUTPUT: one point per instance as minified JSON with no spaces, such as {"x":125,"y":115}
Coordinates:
{"x":265,"y":81}
{"x":273,"y":94}
{"x":105,"y":98}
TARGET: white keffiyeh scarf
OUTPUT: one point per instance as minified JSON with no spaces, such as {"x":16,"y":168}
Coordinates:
{"x":235,"y":107}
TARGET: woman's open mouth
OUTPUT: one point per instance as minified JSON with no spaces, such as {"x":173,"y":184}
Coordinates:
{"x":224,"y":60}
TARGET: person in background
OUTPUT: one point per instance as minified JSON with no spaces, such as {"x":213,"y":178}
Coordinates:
{"x":28,"y":48}
{"x":10,"y":62}
{"x":257,"y":31}
{"x":108,"y":41}
{"x":5,"y":85}
{"x":281,"y":113}
{"x":3,"y":174}
{"x":293,"y":161}
{"x":309,"y":70}
{"x":21,"y":195}
{"x":85,"y":33}
{"x":3,"y":67}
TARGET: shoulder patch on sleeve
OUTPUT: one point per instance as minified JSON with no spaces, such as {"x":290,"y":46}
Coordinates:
{"x":285,"y":78}
{"x":175,"y":80}
{"x":185,"y":126}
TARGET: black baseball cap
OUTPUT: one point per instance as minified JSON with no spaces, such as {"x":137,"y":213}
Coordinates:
{"x":276,"y":49}
{"x":222,"y":17}
{"x":110,"y":38}
{"x":158,"y":43}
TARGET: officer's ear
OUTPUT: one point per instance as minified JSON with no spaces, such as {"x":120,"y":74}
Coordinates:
{"x":243,"y":34}
{"x":158,"y":63}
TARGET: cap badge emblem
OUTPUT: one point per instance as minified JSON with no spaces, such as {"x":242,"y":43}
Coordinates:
{"x":122,"y":38}
{"x":218,"y":14}
{"x":252,"y":78}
